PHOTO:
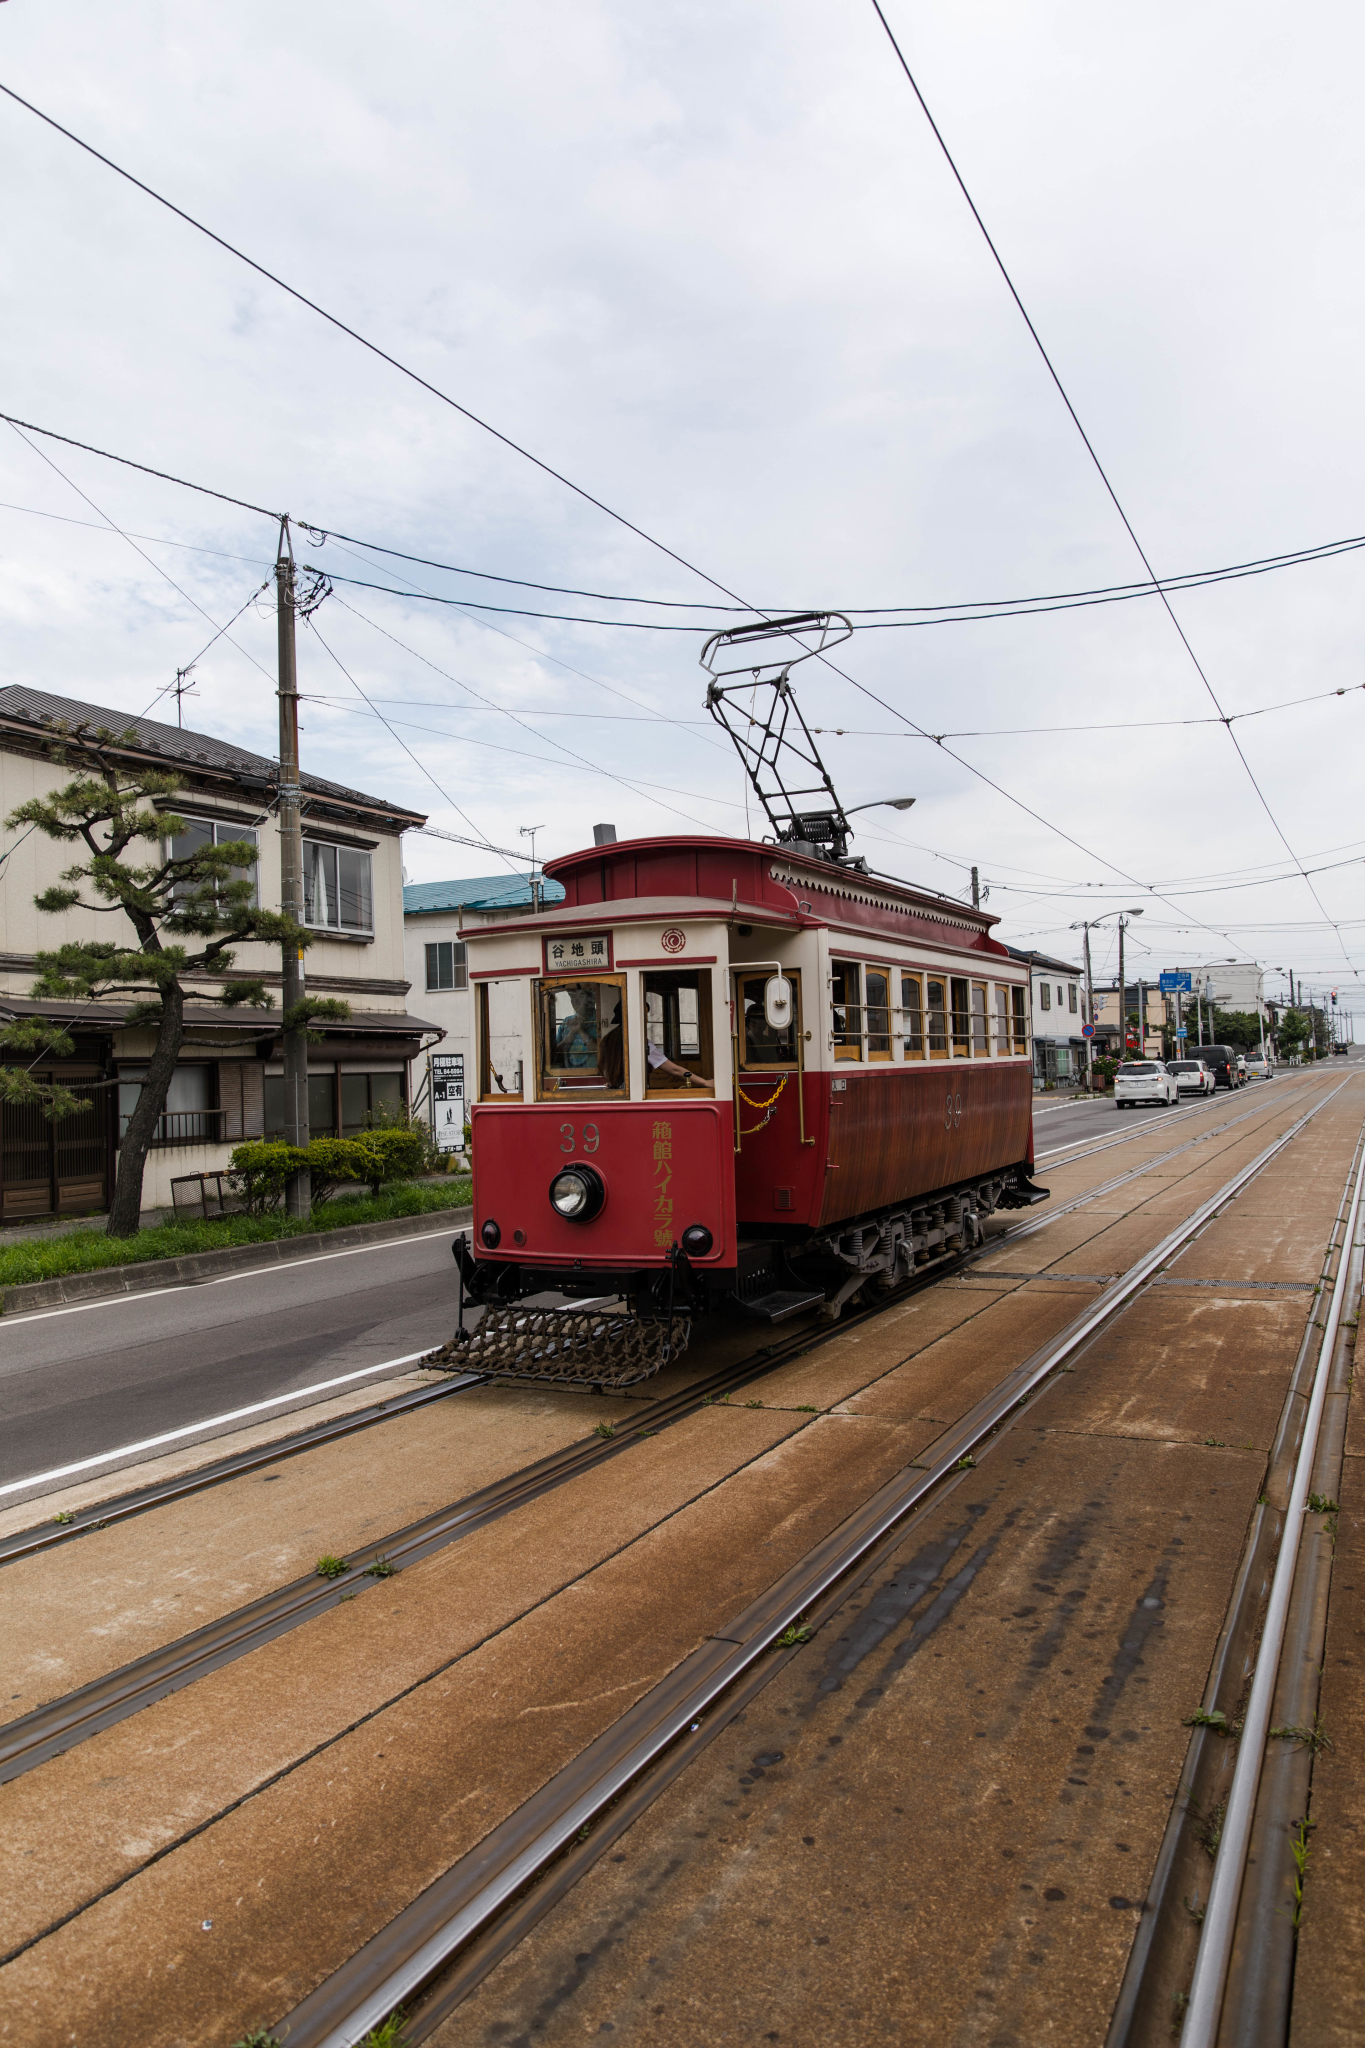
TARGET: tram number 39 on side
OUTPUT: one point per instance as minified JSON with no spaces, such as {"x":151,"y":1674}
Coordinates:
{"x":952,"y":1114}
{"x":592,"y":1137}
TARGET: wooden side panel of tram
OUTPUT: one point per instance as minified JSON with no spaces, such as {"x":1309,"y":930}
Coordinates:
{"x":894,"y":1135}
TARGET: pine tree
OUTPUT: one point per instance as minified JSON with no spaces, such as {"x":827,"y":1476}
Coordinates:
{"x":108,"y":810}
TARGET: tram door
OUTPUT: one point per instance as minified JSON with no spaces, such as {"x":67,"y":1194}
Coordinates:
{"x":504,"y":1062}
{"x":774,"y":1162}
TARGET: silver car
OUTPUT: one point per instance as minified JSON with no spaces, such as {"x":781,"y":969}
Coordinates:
{"x":1192,"y":1077}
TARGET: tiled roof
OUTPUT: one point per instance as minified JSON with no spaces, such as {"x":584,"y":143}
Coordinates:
{"x":197,"y":749}
{"x":1043,"y":960}
{"x":477,"y":892}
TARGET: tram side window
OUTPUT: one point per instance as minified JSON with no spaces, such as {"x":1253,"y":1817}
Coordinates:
{"x":912,"y":1016}
{"x":759,"y":1044}
{"x":1002,"y":1021}
{"x":878,"y":1014}
{"x":1020,"y":1020}
{"x":937,"y":992}
{"x":677,"y":1028}
{"x":981,"y":1045}
{"x":501,"y":1022}
{"x":581,"y":1032}
{"x":846,"y":997}
{"x":962,"y":1043}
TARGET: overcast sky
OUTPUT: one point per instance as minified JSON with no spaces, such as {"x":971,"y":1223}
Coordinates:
{"x":708,"y":262}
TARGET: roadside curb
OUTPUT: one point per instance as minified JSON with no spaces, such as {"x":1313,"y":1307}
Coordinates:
{"x":138,"y":1278}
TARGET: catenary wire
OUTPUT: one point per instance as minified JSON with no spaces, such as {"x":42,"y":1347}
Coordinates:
{"x":579,"y":490}
{"x":1094,"y":457}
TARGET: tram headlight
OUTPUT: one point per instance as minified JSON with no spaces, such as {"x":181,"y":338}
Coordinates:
{"x":577,"y":1193}
{"x":697,"y":1240}
{"x":491,"y":1235}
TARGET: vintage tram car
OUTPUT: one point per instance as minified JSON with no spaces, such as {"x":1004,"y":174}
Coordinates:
{"x":722,"y":1073}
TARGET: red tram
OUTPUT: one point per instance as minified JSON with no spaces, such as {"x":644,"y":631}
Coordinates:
{"x":723,"y":1073}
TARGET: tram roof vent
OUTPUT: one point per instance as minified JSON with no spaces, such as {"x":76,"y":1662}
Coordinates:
{"x":604,"y":835}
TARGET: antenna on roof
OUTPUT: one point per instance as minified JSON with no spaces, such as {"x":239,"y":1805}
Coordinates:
{"x":770,"y":735}
{"x":183,"y":689}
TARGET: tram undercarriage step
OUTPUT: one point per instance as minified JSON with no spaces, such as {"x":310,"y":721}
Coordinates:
{"x":781,"y":1303}
{"x":566,"y":1347}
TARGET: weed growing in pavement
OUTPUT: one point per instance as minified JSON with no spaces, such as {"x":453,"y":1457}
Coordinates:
{"x":380,"y":1569}
{"x":390,"y":2035}
{"x":1210,"y":1831}
{"x":792,"y":1638}
{"x":1215,"y":1718}
{"x":1315,"y":1738}
{"x":807,"y":1409}
{"x":604,"y":1429}
{"x":329,"y":1567}
{"x":1178,"y":2004}
{"x":967,"y":1464}
{"x":1216,"y":1443}
{"x":753,"y":1404}
{"x":1322,"y":1504}
{"x":63,"y":1516}
{"x":1195,"y":1910}
{"x":344,"y":1597}
{"x":1302,"y":1849}
{"x":707,"y":1399}
{"x":259,"y":2037}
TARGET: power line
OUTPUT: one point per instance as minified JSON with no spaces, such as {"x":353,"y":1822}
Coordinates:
{"x":1094,"y":457}
{"x":354,"y":334}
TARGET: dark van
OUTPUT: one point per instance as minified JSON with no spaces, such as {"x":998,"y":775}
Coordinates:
{"x":1223,"y":1060}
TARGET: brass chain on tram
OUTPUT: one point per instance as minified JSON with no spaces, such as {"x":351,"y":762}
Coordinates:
{"x":770,"y":1105}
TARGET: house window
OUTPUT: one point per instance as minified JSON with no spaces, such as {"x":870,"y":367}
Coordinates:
{"x":1045,"y":995}
{"x":878,"y":1014}
{"x":191,"y":1114}
{"x":362,"y":1099}
{"x":1071,"y":995}
{"x":447,"y":965}
{"x":200,"y":832}
{"x":677,"y":1028}
{"x":937,"y":993}
{"x":912,"y":1016}
{"x":962,"y":1044}
{"x":846,"y":1000}
{"x":337,"y":894}
{"x":1020,"y":1020}
{"x":1059,"y":995}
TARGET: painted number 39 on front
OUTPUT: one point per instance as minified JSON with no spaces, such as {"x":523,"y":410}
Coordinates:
{"x":592,"y":1137}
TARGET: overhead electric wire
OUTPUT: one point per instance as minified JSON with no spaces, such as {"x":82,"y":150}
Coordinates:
{"x":219,"y":631}
{"x":222,"y":630}
{"x":578,"y":490}
{"x":1094,"y":457}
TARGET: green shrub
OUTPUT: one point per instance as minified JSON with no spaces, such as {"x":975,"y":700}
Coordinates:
{"x":260,"y":1172}
{"x":397,"y":1152}
{"x":333,"y":1162}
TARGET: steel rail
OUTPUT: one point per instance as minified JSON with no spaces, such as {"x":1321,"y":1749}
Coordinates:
{"x":1215,"y":1942}
{"x":61,"y":1724}
{"x":47,"y":1536}
{"x":421,"y":1939}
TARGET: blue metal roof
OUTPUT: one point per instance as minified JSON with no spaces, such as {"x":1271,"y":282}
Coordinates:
{"x":477,"y":892}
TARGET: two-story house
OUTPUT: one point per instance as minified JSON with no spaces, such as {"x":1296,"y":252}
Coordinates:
{"x":229,"y":1084}
{"x":1057,"y":1012}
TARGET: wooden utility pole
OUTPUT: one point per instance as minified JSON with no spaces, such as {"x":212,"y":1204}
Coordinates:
{"x":976,"y":889}
{"x":290,"y":817}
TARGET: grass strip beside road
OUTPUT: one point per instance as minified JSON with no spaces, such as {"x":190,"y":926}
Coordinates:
{"x":86,"y":1251}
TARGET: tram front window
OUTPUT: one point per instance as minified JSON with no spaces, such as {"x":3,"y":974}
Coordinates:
{"x":677,"y":1030}
{"x":762,"y":1044}
{"x":582,"y":1041}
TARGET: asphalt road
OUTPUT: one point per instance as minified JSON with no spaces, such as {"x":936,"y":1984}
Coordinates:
{"x":78,"y":1382}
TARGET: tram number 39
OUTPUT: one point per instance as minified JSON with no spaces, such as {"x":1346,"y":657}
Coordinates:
{"x":592,"y":1137}
{"x":952,"y":1114}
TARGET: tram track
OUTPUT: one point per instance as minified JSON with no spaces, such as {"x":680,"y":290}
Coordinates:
{"x":464,"y":1923}
{"x":59,"y":1725}
{"x":52,"y":1535}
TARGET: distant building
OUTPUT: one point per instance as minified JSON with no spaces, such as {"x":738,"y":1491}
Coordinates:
{"x":1144,"y":995}
{"x":1057,"y":1009}
{"x":1232,"y":984}
{"x":435,"y":916}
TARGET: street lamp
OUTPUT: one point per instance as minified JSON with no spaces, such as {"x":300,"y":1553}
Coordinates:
{"x":1084,"y":925}
{"x":890,"y":803}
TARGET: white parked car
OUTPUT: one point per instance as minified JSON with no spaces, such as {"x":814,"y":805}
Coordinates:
{"x":1139,"y":1081}
{"x":1258,"y":1067}
{"x":1192,"y":1077}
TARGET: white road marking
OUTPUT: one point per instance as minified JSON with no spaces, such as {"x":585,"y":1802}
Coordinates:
{"x":80,"y":1308}
{"x":153,"y":1443}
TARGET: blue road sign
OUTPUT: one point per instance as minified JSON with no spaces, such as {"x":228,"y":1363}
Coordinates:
{"x":1182,"y":1032}
{"x":1087,"y":1031}
{"x":1175,"y":984}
